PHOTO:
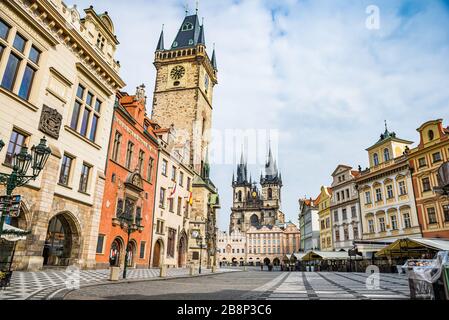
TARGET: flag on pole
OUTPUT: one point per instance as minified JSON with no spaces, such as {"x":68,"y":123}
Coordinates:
{"x":191,"y":198}
{"x":172,"y":194}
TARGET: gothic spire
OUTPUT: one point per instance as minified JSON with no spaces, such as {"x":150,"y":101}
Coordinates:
{"x":189,"y":33}
{"x":214,"y":60}
{"x":201,"y":39}
{"x":160,"y":44}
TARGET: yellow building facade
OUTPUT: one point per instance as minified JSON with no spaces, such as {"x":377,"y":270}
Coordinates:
{"x":426,"y":159}
{"x":325,"y":219}
{"x":386,"y":193}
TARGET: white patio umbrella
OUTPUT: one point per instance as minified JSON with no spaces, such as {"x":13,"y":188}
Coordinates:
{"x":12,"y":237}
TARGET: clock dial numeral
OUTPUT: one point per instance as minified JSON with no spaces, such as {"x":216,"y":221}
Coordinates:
{"x":177,"y":72}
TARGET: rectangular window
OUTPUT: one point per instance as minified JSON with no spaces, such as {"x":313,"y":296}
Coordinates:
{"x":337,"y":235}
{"x":164,"y":167}
{"x":181,"y":178}
{"x":382,"y":225}
{"x":431,"y":213}
{"x":394,"y":223}
{"x":171,"y":242}
{"x":446,"y":213}
{"x":142,"y":250}
{"x":347,"y":193}
{"x":407,"y":222}
{"x":162,"y":198}
{"x":80,"y":92}
{"x":93,"y":129}
{"x":4,"y":30}
{"x":84,"y":179}
{"x":378,"y":194}
{"x":346,"y":233}
{"x":119,"y":210}
{"x":371,"y":226}
{"x":422,"y":162}
{"x":426,"y":185}
{"x":66,"y":168}
{"x":338,"y":196}
{"x":89,"y":98}
{"x":150,"y":169}
{"x":11,"y":72}
{"x":98,"y":104}
{"x":141,"y":159}
{"x":368,"y":197}
{"x":75,"y":115}
{"x":85,"y":122}
{"x":27,"y":80}
{"x":336,"y":216}
{"x":129,"y":154}
{"x":402,"y":188}
{"x":179,"y":209}
{"x":34,"y":55}
{"x":171,"y":204}
{"x":100,"y":243}
{"x":390,"y":194}
{"x":188,"y":183}
{"x":436,"y":157}
{"x":353,"y":212}
{"x":19,"y":42}
{"x":16,"y":142}
{"x":345,"y":215}
{"x":116,"y":147}
{"x":173,"y":173}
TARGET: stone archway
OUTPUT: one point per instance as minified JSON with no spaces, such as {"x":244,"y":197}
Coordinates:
{"x":157,"y":254}
{"x":182,"y":250}
{"x":62,"y":242}
{"x":276,"y":262}
{"x":254,"y":220}
{"x":116,"y":253}
{"x":266,"y":261}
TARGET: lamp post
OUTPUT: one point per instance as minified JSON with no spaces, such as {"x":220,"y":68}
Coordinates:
{"x":20,"y":164}
{"x":127,"y":224}
{"x":199,"y":241}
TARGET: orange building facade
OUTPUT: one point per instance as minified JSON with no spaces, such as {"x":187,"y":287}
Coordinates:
{"x":131,"y":172}
{"x":425,"y":160}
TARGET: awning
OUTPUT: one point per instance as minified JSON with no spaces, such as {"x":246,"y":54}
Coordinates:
{"x":299,"y":256}
{"x":325,"y":255}
{"x":409,"y":247}
{"x":367,"y":246}
{"x":12,"y":237}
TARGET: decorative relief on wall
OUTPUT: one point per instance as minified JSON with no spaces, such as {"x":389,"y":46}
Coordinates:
{"x":50,"y":122}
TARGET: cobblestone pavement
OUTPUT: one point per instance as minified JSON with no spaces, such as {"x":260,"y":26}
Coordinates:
{"x":256,"y":285}
{"x":45,"y":284}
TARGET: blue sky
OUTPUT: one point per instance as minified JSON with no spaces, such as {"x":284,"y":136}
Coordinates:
{"x":309,"y":69}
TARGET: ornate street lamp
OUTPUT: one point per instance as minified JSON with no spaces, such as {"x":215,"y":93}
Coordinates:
{"x":127,"y":224}
{"x":20,"y":164}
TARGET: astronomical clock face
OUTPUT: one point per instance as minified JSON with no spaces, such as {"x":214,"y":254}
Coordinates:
{"x":177,"y":72}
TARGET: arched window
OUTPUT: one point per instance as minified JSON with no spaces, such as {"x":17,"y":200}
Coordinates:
{"x":270,"y":194}
{"x":239,"y":196}
{"x":386,"y":154}
{"x":376,"y":159}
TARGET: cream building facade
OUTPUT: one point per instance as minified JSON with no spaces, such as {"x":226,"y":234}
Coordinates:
{"x":172,"y":206}
{"x":345,"y":208}
{"x":386,"y":192}
{"x":231,"y":248}
{"x":58,"y":79}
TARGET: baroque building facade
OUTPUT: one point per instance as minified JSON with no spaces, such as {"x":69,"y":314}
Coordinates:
{"x":173,"y":202}
{"x":130,"y":185}
{"x":425,"y":161}
{"x":325,"y":219}
{"x":183,"y":98}
{"x":57,"y":71}
{"x":253,"y":207}
{"x":386,"y":194}
{"x":309,"y":226}
{"x":345,"y":209}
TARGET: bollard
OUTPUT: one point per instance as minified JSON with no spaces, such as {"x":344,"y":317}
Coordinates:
{"x":163,"y":272}
{"x":192,"y":270}
{"x":214,"y":269}
{"x":114,"y":274}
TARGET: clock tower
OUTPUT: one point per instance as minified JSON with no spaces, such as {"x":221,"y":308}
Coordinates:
{"x":183,"y":93}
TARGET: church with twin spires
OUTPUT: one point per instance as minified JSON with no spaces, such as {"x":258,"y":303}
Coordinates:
{"x":255,"y":206}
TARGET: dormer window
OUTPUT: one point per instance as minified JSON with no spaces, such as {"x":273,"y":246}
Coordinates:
{"x":175,"y":44}
{"x":188,"y":26}
{"x":190,"y":42}
{"x":431,"y":135}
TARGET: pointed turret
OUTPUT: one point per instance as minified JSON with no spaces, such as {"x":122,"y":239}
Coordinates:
{"x":214,"y":60}
{"x":189,"y":33}
{"x":160,"y":44}
{"x":242,"y":172}
{"x":201,"y":39}
{"x":271,"y":170}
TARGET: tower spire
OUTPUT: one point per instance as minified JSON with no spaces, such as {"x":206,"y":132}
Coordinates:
{"x":160,"y":44}
{"x":214,"y":60}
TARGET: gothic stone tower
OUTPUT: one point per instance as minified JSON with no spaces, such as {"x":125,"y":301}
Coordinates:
{"x":185,"y":82}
